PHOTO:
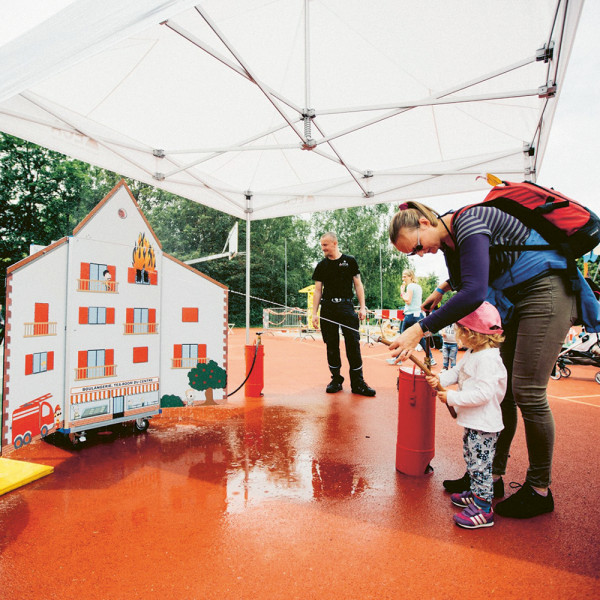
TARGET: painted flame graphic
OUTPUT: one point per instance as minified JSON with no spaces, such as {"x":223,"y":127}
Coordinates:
{"x":143,"y":255}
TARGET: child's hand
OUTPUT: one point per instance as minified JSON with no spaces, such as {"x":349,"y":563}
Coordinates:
{"x":432,"y":380}
{"x":443,"y":396}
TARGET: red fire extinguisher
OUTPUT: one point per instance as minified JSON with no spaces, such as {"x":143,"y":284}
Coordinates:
{"x":255,"y":366}
{"x":415,"y":445}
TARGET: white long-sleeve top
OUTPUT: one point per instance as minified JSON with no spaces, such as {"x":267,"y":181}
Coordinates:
{"x":481,"y":378}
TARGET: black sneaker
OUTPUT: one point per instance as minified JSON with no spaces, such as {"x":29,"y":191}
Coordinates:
{"x":362,"y":389}
{"x":456,"y":486}
{"x":334,"y":387}
{"x":525,"y":503}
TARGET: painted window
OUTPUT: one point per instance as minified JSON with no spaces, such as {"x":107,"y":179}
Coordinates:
{"x":40,"y":362}
{"x":187,"y":356}
{"x":140,"y":320}
{"x":98,"y":277}
{"x":97,"y":315}
{"x":95,"y":363}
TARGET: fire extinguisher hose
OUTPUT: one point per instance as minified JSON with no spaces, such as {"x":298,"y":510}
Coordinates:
{"x":237,"y":389}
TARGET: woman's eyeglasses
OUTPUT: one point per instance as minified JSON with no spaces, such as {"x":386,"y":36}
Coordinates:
{"x":418,"y":247}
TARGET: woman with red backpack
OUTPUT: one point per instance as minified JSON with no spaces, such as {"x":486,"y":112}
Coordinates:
{"x":534,"y":294}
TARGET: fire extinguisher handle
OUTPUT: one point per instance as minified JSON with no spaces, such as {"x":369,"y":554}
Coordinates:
{"x":423,"y":368}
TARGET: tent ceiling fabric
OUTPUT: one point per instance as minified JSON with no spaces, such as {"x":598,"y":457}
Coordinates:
{"x":304,"y":105}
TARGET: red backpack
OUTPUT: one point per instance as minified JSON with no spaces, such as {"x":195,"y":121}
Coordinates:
{"x":566,"y":225}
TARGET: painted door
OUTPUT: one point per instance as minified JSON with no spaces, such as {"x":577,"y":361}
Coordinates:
{"x":118,"y":406}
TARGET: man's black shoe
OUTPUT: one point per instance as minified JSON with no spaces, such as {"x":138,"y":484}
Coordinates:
{"x":334,"y":387}
{"x":456,"y":486}
{"x":525,"y":503}
{"x":362,"y":389}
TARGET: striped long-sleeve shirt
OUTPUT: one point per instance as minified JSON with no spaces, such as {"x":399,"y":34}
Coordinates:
{"x":471,"y":265}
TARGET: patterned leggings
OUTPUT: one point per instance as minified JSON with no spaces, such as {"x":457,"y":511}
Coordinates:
{"x":479,"y":448}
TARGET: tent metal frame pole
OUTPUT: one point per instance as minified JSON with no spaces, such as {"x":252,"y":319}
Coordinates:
{"x":248,"y":213}
{"x":438,"y":102}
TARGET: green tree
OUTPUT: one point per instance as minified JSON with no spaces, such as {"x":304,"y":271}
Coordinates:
{"x":208,"y":377}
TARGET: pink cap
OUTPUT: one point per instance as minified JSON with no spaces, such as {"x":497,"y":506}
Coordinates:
{"x":486,"y":319}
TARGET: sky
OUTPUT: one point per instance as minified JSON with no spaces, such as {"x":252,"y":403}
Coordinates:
{"x":572,"y":159}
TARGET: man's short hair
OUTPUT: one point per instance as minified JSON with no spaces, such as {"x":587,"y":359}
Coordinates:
{"x":330,"y":235}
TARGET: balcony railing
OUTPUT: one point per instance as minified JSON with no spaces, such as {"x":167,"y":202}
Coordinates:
{"x":98,"y":285}
{"x":95,"y":372}
{"x":138,"y":328}
{"x":36,"y":329}
{"x":186,"y":363}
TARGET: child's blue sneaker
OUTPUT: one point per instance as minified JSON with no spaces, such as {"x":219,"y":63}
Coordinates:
{"x":474,"y":518}
{"x":462,"y":499}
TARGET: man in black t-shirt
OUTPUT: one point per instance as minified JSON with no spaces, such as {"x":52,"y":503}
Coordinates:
{"x":334,"y":277}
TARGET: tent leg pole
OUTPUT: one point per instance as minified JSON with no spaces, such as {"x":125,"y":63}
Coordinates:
{"x":248,"y":209}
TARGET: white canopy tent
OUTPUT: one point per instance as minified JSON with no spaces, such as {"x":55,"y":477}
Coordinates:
{"x":268,"y":108}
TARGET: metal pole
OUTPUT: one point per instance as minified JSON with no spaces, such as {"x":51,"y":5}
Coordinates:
{"x":306,"y":55}
{"x":285,"y":255}
{"x":380,"y":281}
{"x":248,"y":211}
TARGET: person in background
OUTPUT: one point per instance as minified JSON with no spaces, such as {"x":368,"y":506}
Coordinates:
{"x":412,"y":294}
{"x":481,"y":378}
{"x":334,"y":278}
{"x":449,"y":346}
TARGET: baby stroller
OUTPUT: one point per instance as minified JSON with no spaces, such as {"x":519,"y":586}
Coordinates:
{"x":584,"y":351}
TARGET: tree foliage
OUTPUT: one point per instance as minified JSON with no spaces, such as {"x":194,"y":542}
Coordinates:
{"x":44,"y":195}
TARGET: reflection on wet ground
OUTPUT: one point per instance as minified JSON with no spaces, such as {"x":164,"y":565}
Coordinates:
{"x":294,"y":495}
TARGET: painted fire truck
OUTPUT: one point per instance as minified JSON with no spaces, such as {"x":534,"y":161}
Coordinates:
{"x":31,"y":419}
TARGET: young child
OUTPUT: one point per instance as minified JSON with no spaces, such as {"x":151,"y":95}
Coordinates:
{"x":481,"y":379}
{"x":449,"y":346}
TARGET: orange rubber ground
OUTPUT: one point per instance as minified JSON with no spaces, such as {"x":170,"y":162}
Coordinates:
{"x":295,"y":495}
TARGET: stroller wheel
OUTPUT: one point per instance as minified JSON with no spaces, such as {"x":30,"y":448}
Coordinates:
{"x":556,"y":374}
{"x":597,"y":377}
{"x":565,"y":372}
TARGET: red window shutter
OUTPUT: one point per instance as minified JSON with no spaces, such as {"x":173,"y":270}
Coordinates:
{"x":109,"y":361}
{"x":113,"y":272}
{"x":110,"y":316}
{"x":202,"y":351}
{"x":189,"y":315}
{"x":83,"y":315}
{"x":140,"y":355}
{"x":41,"y":312}
{"x":129,"y":315}
{"x":84,"y":274}
{"x":50,"y":361}
{"x":82,"y":359}
{"x":151,"y":315}
{"x":153,"y":277}
{"x":131,"y":275}
{"x":28,"y":364}
{"x":177,"y":351}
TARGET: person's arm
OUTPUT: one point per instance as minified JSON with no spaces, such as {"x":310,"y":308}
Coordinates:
{"x":475,"y":272}
{"x":316,"y":301}
{"x":475,"y":268}
{"x":406,"y":295}
{"x":436,"y":296}
{"x":360,"y":294}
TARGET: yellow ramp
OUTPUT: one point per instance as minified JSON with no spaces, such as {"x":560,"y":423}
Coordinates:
{"x":15,"y":473}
